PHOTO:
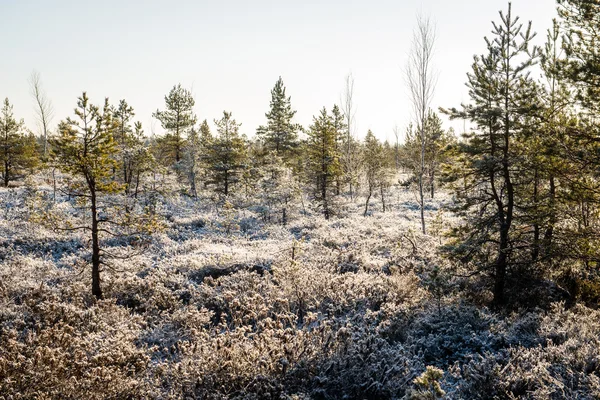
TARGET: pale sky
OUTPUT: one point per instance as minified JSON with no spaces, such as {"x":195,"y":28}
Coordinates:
{"x":230,"y":53}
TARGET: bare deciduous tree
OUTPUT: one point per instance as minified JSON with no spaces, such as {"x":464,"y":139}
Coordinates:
{"x":397,"y":147}
{"x":43,"y":108}
{"x":350,"y":156}
{"x":421,"y":81}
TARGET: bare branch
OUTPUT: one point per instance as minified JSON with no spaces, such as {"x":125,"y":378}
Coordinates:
{"x":43,"y":107}
{"x":421,"y":82}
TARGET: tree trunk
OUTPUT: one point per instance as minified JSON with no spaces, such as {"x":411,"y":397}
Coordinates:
{"x":137,"y":184}
{"x":367,"y":203}
{"x":54,"y":185}
{"x":548,"y":234}
{"x":421,"y":173}
{"x":96,"y":290}
{"x":432,"y":182}
{"x":505,"y":216}
{"x":6,"y":177}
{"x":324,"y":197}
{"x":500,"y":267}
{"x":535,"y":252}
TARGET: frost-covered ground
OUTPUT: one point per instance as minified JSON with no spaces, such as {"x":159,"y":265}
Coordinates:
{"x":229,"y":307}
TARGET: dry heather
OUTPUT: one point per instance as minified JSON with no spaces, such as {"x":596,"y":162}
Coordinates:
{"x":222,"y":307}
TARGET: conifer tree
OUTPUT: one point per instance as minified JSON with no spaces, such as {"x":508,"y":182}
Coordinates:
{"x":545,"y":151}
{"x":226,"y":157}
{"x":373,"y":160}
{"x":138,"y":159}
{"x":501,"y":92}
{"x":278,"y":189}
{"x":18,"y":151}
{"x":280,"y":134}
{"x":192,"y":154}
{"x":435,"y":141}
{"x":84,"y":148}
{"x":123,"y":115}
{"x":205,"y":135}
{"x":338,"y":122}
{"x":177,"y":118}
{"x":582,"y":65}
{"x":384,"y":180}
{"x":323,"y":165}
{"x":206,"y":140}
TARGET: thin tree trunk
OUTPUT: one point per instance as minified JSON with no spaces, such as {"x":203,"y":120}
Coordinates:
{"x":548,"y":234}
{"x":54,"y":185}
{"x":96,"y":290}
{"x":500,"y":268}
{"x":6,"y":173}
{"x":535,"y":252}
{"x":505,"y":217}
{"x":432,"y":182}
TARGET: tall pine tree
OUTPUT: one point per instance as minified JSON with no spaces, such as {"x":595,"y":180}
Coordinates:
{"x":280,"y":134}
{"x":18,"y":151}
{"x":501,"y":92}
{"x":226,"y":156}
{"x":177,"y":119}
{"x":323,"y":161}
{"x":84,"y":148}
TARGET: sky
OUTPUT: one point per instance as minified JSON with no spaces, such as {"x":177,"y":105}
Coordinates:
{"x":230,"y":53}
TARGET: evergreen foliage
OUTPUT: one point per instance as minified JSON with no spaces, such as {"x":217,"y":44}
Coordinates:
{"x":323,"y":161}
{"x":502,"y":94}
{"x":226,"y":156}
{"x":18,"y":149}
{"x":177,"y":119}
{"x":280,"y":134}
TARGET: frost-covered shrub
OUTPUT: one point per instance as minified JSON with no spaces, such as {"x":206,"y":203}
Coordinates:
{"x":53,"y":349}
{"x":564,"y":363}
{"x":345,"y":308}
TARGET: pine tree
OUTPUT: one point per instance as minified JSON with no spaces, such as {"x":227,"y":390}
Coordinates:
{"x":323,"y":165}
{"x":192,"y":154}
{"x":206,"y":141}
{"x":280,"y":134}
{"x":582,"y":65}
{"x":84,"y":148}
{"x":205,"y":135}
{"x":435,"y":142}
{"x":18,"y":151}
{"x":339,"y":126}
{"x":226,"y":157}
{"x":278,"y":188}
{"x":123,"y":114}
{"x":138,"y":159}
{"x":178,"y":118}
{"x":501,"y":92}
{"x":384,"y":181}
{"x":373,"y":160}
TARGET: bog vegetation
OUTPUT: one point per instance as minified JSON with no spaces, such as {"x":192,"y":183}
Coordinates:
{"x":304,"y":263}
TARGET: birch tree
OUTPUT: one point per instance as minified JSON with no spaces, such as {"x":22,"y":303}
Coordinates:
{"x":421,"y":81}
